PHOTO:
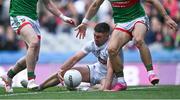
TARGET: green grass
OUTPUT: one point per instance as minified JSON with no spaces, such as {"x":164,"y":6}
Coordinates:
{"x":154,"y":92}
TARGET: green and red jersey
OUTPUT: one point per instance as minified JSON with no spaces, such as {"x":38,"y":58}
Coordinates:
{"x":126,"y":10}
{"x":23,"y":8}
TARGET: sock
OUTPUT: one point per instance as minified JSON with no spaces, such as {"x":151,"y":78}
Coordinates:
{"x":11,"y":73}
{"x":149,"y":67}
{"x":150,"y":72}
{"x":121,"y":80}
{"x":31,"y":75}
{"x":119,"y":74}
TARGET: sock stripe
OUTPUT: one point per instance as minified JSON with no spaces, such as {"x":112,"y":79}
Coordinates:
{"x":11,"y":73}
{"x":149,"y":67}
{"x":31,"y":75}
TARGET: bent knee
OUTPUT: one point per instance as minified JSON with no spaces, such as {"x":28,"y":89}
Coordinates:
{"x":140,"y":43}
{"x":34,"y":43}
{"x":112,"y":52}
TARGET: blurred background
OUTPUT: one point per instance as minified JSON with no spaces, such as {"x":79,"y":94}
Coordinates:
{"x":59,"y":41}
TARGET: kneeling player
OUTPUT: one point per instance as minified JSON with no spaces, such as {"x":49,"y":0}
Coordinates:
{"x":95,"y":73}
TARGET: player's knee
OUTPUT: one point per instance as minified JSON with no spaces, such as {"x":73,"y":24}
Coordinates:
{"x":139,"y":43}
{"x":112,"y":52}
{"x":35,"y":43}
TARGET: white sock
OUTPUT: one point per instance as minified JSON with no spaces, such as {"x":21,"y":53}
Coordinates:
{"x":121,"y":80}
{"x":150,"y":72}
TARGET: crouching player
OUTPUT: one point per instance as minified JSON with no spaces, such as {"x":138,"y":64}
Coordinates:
{"x":93,"y":74}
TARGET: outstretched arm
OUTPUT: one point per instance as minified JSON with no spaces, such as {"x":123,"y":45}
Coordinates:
{"x":55,"y":11}
{"x":72,"y":61}
{"x":94,"y":7}
{"x":163,"y":12}
{"x":90,"y":13}
{"x":57,"y":78}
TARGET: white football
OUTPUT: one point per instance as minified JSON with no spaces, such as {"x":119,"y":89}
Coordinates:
{"x":72,"y":78}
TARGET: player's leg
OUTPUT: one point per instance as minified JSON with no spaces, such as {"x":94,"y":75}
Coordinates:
{"x":19,"y":66}
{"x":54,"y":80}
{"x":139,"y":34}
{"x":117,"y":41}
{"x":31,"y":38}
{"x":50,"y":82}
{"x":85,"y":72}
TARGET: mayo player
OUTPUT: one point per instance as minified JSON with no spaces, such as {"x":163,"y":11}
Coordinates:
{"x":131,"y":23}
{"x":24,"y":21}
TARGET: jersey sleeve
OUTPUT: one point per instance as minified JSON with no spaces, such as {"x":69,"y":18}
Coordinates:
{"x":88,"y":47}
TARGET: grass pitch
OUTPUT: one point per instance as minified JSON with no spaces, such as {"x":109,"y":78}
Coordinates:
{"x":140,"y":92}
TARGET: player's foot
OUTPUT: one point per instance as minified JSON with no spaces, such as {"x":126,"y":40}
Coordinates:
{"x":24,"y":84}
{"x":31,"y":85}
{"x":8,"y":84}
{"x":153,"y":79}
{"x":119,"y":87}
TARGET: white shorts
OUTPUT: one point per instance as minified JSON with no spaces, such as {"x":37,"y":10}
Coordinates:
{"x":18,"y":22}
{"x":97,"y":73}
{"x":129,"y":26}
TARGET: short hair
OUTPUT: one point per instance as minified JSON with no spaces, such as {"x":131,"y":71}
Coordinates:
{"x":102,"y":28}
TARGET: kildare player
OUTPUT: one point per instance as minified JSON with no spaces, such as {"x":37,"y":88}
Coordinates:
{"x":93,"y":73}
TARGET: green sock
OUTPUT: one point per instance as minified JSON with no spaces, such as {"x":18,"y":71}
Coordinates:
{"x":119,"y":74}
{"x":11,"y":73}
{"x":149,"y":67}
{"x":31,"y":75}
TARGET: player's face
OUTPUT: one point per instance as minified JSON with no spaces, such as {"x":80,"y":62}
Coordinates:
{"x":100,"y":38}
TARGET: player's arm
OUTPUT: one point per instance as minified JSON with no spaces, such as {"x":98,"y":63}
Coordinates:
{"x":163,"y":12}
{"x":109,"y":77}
{"x":69,"y":64}
{"x":90,"y":13}
{"x":57,"y":78}
{"x":55,"y":11}
{"x":94,"y":7}
{"x":73,"y":60}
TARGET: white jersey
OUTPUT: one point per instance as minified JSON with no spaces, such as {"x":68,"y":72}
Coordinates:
{"x":101,"y":53}
{"x":98,"y":70}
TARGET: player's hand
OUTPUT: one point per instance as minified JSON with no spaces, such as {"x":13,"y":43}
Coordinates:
{"x":102,"y":88}
{"x":172,"y":24}
{"x":81,"y":31}
{"x":60,"y":77}
{"x":68,"y":20}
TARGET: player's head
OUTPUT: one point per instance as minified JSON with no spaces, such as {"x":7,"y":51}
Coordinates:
{"x":101,"y":34}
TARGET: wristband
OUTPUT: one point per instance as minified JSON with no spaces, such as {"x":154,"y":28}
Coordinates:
{"x":62,"y":17}
{"x":85,"y":21}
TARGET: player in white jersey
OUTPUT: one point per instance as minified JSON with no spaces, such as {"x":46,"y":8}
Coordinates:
{"x":93,"y":74}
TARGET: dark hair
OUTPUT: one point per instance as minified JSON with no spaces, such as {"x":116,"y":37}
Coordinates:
{"x":102,"y":28}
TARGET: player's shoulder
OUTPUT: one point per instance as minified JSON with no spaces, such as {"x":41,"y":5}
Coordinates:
{"x":90,"y":43}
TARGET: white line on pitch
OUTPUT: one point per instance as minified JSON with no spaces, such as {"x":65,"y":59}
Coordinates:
{"x":29,"y":93}
{"x":141,"y":88}
{"x":32,"y":93}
